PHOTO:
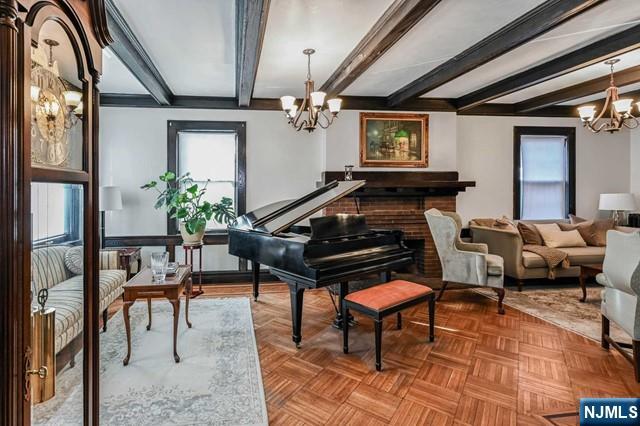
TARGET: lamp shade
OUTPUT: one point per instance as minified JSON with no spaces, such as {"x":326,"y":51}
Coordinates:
{"x":617,"y":202}
{"x":110,"y":198}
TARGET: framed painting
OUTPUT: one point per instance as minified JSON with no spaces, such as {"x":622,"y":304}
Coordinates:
{"x":394,"y":140}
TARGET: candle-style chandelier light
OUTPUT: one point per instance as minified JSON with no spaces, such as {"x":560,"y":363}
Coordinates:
{"x":313,"y":105}
{"x":619,"y":110}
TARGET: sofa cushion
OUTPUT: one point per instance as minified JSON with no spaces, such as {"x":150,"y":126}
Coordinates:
{"x":593,"y":232}
{"x":495,"y":265}
{"x":532,"y":260}
{"x":47,"y":266}
{"x":554,"y":237}
{"x":74,"y":260}
{"x":529,"y":234}
{"x":584,"y":255}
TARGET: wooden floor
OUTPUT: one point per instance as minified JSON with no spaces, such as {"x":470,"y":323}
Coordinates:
{"x":483,"y":368}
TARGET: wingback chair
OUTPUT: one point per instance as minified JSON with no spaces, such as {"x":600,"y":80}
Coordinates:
{"x":464,"y":263}
{"x":621,"y":281}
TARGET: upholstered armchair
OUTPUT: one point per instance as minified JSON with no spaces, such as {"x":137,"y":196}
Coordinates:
{"x":621,"y":281}
{"x":464,"y":263}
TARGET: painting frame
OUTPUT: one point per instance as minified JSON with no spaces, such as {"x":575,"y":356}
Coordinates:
{"x":420,"y":121}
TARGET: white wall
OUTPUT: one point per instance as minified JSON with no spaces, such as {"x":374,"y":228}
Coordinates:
{"x":634,"y":159}
{"x":485,"y":154}
{"x":343,"y":146}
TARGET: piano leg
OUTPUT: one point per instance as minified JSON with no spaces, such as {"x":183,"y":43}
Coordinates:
{"x":255,"y":269}
{"x":337,"y":322}
{"x":296,"y":292}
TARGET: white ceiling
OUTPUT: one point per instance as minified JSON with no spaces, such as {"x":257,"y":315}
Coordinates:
{"x":116,"y":77}
{"x":435,"y":39}
{"x":600,"y":21}
{"x":192,"y":43}
{"x":63,"y":54}
{"x":627,"y":60}
{"x":332,"y":27}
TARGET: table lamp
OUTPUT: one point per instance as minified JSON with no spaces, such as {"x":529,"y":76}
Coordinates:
{"x":617,"y":203}
{"x":110,"y":200}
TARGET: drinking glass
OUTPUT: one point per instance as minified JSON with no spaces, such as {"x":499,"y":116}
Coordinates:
{"x":159,"y":262}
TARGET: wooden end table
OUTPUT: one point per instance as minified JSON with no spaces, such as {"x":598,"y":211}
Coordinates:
{"x":127,"y":256}
{"x":142,"y":287}
{"x":586,"y":272}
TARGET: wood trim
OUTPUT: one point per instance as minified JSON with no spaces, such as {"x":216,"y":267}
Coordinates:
{"x":250,"y":28}
{"x":537,"y":21}
{"x":509,"y":110}
{"x":239,"y":128}
{"x":375,"y":103}
{"x":14,"y":410}
{"x":616,"y":44}
{"x":99,"y":21}
{"x":518,"y":132}
{"x":591,"y":87}
{"x":397,"y":20}
{"x":42,"y":174}
{"x":133,"y":55}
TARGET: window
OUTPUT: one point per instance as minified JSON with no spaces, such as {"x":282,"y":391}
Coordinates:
{"x":214,"y":153}
{"x":544,"y":172}
{"x":56,"y":212}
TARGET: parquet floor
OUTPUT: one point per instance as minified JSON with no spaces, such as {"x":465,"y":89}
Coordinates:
{"x":482,"y":369}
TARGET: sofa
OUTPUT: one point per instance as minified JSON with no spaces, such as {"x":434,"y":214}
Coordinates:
{"x":53,"y":267}
{"x":523,"y":265}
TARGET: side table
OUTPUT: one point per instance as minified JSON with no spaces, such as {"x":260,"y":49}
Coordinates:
{"x":586,"y":272}
{"x":188,"y":260}
{"x":128,"y":255}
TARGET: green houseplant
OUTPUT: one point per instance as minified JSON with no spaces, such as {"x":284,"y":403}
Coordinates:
{"x":183,"y":200}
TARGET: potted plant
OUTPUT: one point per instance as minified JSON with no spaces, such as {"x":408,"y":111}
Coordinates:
{"x":183,"y":201}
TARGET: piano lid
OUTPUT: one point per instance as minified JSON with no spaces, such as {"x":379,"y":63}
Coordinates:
{"x":280,"y":216}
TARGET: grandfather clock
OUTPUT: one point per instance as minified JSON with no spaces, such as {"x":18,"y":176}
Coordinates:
{"x":50,"y":64}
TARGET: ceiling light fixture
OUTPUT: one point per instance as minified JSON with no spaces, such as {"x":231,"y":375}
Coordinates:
{"x":312,"y":105}
{"x":619,"y":110}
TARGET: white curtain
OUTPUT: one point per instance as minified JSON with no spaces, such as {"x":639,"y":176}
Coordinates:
{"x":544,"y":177}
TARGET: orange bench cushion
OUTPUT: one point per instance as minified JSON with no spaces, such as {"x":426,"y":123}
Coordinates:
{"x":389,"y":294}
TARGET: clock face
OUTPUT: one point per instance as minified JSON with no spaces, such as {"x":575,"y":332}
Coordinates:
{"x":49,"y":129}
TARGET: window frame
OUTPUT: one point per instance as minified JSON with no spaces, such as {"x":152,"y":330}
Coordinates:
{"x":518,"y":133}
{"x":174,"y":127}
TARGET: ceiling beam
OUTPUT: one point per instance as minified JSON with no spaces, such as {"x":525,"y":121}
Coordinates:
{"x":128,"y":48}
{"x":250,"y":28}
{"x":398,"y":19}
{"x":534,"y":23}
{"x":616,"y":44}
{"x":587,"y":88}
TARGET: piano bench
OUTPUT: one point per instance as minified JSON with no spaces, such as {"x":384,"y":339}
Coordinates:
{"x":383,"y":300}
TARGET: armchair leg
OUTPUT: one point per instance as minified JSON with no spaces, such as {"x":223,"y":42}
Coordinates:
{"x":605,"y":332}
{"x":520,"y":284}
{"x":442,"y":289}
{"x":636,"y":359}
{"x":500,"y":293}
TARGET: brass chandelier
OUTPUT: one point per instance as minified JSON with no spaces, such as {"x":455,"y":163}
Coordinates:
{"x":619,"y":110}
{"x":313,"y":105}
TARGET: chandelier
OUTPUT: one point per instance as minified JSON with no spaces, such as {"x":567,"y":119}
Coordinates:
{"x":619,"y":110}
{"x":313,"y":105}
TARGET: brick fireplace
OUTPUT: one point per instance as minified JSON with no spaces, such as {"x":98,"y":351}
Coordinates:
{"x":397,"y":200}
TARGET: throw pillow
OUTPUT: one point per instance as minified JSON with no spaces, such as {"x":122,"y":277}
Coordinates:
{"x":74,"y":260}
{"x":529,"y":234}
{"x":594,"y":232}
{"x":484,"y":222}
{"x":555,"y":237}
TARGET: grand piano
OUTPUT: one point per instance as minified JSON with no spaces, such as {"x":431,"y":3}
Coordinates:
{"x":330,"y":250}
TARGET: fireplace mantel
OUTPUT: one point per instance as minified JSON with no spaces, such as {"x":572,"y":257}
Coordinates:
{"x":407,"y":184}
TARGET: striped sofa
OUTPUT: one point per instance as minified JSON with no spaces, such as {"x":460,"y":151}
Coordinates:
{"x":48,"y":270}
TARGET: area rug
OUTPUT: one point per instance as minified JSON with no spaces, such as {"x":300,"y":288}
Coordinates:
{"x":217,"y":382}
{"x":561,"y":305}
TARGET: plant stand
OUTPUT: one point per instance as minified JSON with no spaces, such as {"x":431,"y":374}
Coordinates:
{"x":188,"y":259}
